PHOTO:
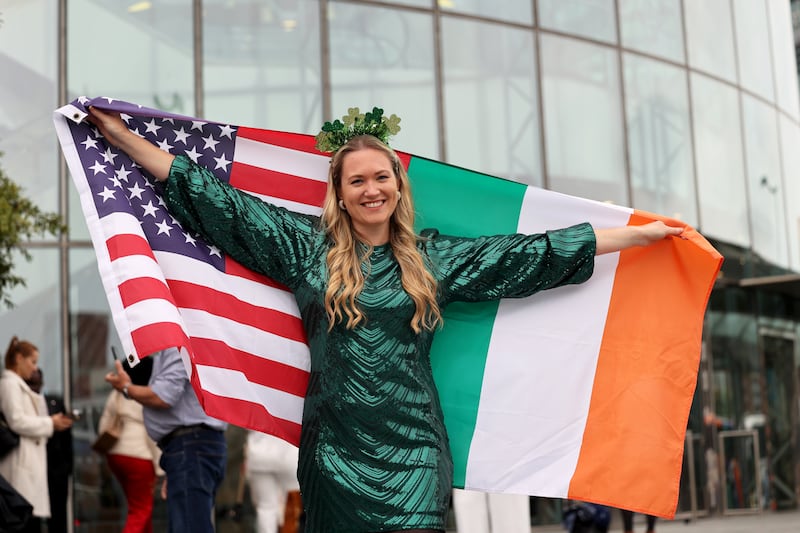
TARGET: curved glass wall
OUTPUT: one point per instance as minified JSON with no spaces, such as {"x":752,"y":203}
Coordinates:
{"x":689,"y":109}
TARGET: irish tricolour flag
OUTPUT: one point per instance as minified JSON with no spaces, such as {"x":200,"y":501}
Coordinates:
{"x":580,"y":392}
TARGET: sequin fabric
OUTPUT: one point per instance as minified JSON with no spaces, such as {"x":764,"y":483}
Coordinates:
{"x":374,"y":453}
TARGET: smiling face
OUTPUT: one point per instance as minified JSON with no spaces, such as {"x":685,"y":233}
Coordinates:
{"x":368,"y":189}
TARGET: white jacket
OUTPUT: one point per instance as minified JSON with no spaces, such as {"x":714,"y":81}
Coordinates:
{"x":26,"y":466}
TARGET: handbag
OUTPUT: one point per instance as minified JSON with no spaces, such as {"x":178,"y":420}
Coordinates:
{"x":8,"y":438}
{"x":109,"y":436}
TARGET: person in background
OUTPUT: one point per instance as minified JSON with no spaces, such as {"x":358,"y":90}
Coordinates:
{"x":627,"y":522}
{"x":481,"y":512}
{"x":25,"y":467}
{"x":60,"y":458}
{"x":193,"y":450}
{"x":134,"y":457}
{"x":271,"y":471}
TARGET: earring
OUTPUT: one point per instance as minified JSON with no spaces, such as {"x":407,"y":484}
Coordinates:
{"x":399,"y":195}
{"x":341,"y":205}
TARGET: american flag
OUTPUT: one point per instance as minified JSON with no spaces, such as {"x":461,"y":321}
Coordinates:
{"x":243,"y":339}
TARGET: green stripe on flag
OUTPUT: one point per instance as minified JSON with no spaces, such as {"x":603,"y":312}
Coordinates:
{"x":461,"y":202}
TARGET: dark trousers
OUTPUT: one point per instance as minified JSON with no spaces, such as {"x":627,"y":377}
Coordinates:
{"x":194,"y":462}
{"x":59,"y":488}
{"x":627,"y":521}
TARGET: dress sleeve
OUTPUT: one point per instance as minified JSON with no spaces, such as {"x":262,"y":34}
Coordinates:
{"x":263,"y":237}
{"x":510,"y":266}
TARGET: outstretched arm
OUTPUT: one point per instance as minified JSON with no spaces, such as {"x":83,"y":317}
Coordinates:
{"x":616,"y":239}
{"x":156,"y":161}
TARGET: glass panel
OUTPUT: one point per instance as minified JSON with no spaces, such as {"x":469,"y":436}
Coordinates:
{"x":659,"y":138}
{"x":414,"y":3}
{"x":519,"y":11}
{"x":141,"y":53}
{"x":98,"y":497}
{"x":653,"y":27}
{"x":36,"y":316}
{"x":709,"y":37}
{"x":753,"y":47}
{"x":594,"y":19}
{"x":490,"y":99}
{"x":783,"y":53}
{"x":741,"y":472}
{"x":790,"y":140}
{"x":78,"y":230}
{"x":720,"y":168}
{"x":767,"y":218}
{"x":778,"y":455}
{"x":28,"y":62}
{"x":583,"y":119}
{"x":261,"y":62}
{"x":384,"y":57}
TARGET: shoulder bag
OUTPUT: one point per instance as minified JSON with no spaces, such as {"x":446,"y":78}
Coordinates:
{"x":109,"y":436}
{"x":8,"y":438}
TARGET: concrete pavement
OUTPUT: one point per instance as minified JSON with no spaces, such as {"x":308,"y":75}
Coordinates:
{"x":766,"y":522}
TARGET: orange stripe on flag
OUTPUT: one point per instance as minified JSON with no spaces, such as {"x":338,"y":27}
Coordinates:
{"x":641,"y":398}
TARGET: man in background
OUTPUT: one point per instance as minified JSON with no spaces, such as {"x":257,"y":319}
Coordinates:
{"x":192,"y":443}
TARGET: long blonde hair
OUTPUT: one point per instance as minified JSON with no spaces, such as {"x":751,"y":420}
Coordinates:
{"x":345,"y":279}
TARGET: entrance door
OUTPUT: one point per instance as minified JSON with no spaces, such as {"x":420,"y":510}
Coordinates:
{"x":782,"y":419}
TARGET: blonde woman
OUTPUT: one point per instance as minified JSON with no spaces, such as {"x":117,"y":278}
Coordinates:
{"x":374,"y":454}
{"x":25,"y":468}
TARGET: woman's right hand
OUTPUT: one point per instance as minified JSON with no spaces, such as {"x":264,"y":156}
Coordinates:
{"x":61,"y":422}
{"x":142,"y":151}
{"x":110,"y":125}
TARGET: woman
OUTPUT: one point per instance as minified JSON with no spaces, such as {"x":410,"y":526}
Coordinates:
{"x":134,"y":457}
{"x":26,"y":466}
{"x":374,"y":454}
{"x":271,"y":471}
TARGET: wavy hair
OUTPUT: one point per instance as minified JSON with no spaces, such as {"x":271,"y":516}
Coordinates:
{"x":345,"y":279}
{"x":16,"y":346}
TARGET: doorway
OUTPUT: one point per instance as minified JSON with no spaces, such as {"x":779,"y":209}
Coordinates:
{"x":781,"y":428}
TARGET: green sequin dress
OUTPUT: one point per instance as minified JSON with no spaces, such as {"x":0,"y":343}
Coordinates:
{"x":374,"y":453}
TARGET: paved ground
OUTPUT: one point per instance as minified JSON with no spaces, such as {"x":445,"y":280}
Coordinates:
{"x":767,"y":522}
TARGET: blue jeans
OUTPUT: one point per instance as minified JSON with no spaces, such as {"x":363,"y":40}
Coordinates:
{"x":195,"y":465}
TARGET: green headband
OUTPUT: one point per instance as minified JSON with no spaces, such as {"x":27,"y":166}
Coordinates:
{"x":335,"y":134}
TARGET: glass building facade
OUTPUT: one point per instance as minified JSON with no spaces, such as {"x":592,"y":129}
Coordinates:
{"x":688,"y":108}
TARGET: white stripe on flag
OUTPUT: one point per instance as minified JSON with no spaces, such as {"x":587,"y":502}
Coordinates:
{"x":280,"y":159}
{"x":257,"y":342}
{"x":527,"y":439}
{"x":203,"y":274}
{"x":141,"y":313}
{"x":297,"y":207}
{"x":234,"y":384}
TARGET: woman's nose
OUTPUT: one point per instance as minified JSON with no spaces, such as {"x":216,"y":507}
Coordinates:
{"x":372,"y":188}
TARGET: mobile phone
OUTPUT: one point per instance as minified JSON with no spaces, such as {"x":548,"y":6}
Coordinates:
{"x":75,"y":414}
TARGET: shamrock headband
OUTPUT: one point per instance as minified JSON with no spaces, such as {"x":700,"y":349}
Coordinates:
{"x":335,"y":134}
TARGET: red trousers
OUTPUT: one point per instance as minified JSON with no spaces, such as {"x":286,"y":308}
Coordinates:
{"x":138,"y":479}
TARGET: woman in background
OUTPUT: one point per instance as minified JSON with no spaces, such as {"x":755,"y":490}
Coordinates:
{"x":134,"y":458}
{"x":25,"y":467}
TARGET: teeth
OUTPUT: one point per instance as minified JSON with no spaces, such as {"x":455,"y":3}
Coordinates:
{"x":373,"y":204}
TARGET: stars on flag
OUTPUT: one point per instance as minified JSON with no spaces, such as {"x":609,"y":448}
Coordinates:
{"x":119,"y":185}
